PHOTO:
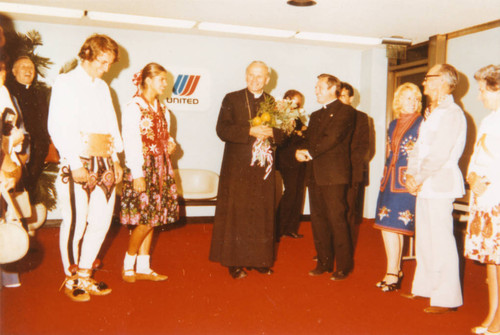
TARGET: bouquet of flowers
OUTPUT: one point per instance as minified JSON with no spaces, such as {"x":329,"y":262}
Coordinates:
{"x":280,"y":114}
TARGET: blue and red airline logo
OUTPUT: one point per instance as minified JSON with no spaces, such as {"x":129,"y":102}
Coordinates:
{"x":186,"y":84}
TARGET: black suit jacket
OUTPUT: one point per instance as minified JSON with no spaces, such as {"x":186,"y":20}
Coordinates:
{"x":328,"y":140}
{"x":360,"y":149}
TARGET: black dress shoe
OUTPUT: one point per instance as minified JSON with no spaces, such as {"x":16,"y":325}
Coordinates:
{"x":293,"y":235}
{"x":265,"y":271}
{"x":237,"y":272}
{"x":339,"y":275}
{"x":319,"y":270}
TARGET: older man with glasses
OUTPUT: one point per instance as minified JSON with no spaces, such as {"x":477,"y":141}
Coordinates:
{"x":434,"y":176}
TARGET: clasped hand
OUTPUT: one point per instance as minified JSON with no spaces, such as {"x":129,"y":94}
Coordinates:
{"x":411,"y":185}
{"x":81,"y":175}
{"x":478,"y":185}
{"x":302,"y":155}
{"x":139,"y":185}
{"x":261,"y":132}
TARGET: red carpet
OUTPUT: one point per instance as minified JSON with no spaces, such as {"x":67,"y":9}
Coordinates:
{"x":201,"y":298}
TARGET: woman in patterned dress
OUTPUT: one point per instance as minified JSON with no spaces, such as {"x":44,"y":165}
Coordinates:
{"x":482,"y":239}
{"x":396,"y":206}
{"x":149,"y":196}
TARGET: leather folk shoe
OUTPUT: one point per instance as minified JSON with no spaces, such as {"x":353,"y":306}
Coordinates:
{"x":438,"y":310}
{"x":339,"y":275}
{"x":128,"y":276}
{"x":152,"y":276}
{"x":74,"y":290}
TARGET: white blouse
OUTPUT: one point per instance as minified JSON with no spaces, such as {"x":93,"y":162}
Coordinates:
{"x":485,"y":160}
{"x":132,"y":139}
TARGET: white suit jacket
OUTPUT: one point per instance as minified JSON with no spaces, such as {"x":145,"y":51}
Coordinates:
{"x":434,"y":160}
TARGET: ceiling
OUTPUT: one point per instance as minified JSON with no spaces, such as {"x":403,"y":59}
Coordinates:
{"x":413,"y":19}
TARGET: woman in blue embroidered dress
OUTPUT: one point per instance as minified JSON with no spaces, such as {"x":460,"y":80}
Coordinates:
{"x":149,"y":196}
{"x":396,"y":206}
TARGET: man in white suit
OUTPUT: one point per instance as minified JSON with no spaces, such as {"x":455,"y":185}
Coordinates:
{"x":434,"y":176}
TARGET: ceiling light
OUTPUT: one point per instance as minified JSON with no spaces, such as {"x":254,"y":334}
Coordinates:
{"x":229,"y":28}
{"x":142,"y":20}
{"x":7,"y":7}
{"x":338,"y":38}
{"x":301,"y":3}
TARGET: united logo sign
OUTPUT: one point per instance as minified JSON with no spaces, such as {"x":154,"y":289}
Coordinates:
{"x":185,"y":84}
{"x":190,"y":90}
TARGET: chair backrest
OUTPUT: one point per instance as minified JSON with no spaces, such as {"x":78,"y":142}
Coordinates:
{"x":197,"y":183}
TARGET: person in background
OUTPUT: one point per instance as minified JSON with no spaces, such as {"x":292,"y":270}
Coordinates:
{"x":482,"y":238}
{"x":327,"y":151}
{"x":434,"y":176}
{"x":11,"y":137}
{"x":83,"y":126}
{"x":149,"y":196}
{"x":360,"y":150}
{"x":395,"y":215}
{"x":244,"y":227}
{"x":293,"y":175}
{"x":33,"y":103}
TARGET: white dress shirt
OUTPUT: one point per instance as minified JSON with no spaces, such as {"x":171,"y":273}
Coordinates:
{"x":80,"y":105}
{"x":434,"y":160}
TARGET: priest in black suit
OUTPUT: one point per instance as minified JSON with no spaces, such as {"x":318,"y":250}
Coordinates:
{"x":327,"y":151}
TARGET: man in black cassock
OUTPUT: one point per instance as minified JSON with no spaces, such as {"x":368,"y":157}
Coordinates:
{"x":243,"y":232}
{"x":34,"y":107}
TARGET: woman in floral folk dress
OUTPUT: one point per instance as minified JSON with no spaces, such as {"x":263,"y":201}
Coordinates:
{"x":482,"y":239}
{"x":396,"y":206}
{"x":149,"y":192}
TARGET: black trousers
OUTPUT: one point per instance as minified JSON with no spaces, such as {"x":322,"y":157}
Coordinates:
{"x":329,"y":225}
{"x":292,"y":202}
{"x":355,"y":202}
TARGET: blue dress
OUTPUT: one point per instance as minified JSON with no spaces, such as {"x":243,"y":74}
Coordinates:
{"x":395,"y":206}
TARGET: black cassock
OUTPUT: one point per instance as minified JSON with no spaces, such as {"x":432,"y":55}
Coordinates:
{"x":243,"y":232}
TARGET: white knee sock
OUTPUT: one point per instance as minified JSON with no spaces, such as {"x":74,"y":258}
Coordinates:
{"x":129,"y":261}
{"x":143,"y":264}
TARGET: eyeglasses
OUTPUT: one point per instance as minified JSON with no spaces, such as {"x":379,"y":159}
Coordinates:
{"x":430,"y":76}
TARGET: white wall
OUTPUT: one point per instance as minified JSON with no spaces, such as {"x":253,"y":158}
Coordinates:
{"x":373,"y":102}
{"x":468,"y":54}
{"x":225,"y":59}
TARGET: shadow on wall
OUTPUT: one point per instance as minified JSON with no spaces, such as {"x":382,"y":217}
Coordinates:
{"x":460,"y":91}
{"x":273,"y":81}
{"x":113,"y":73}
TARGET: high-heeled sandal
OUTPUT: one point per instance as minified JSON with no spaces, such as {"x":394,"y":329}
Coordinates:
{"x":382,"y":283}
{"x":393,"y":286}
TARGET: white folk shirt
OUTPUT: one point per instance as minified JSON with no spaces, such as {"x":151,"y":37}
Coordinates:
{"x":434,"y":160}
{"x":80,"y":105}
{"x":132,"y":139}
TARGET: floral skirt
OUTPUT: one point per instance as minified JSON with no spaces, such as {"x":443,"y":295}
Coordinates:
{"x":158,"y":205}
{"x":482,"y":239}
